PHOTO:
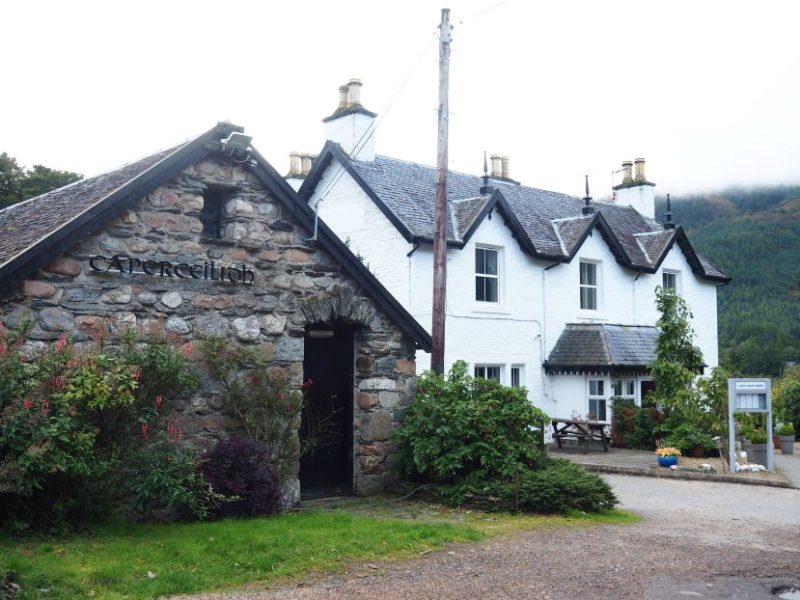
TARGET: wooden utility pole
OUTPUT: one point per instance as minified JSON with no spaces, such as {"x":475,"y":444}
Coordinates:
{"x":440,"y":210}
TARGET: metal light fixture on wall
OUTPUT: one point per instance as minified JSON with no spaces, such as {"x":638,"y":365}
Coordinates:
{"x":237,"y":144}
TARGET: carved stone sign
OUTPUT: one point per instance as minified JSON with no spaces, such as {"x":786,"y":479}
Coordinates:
{"x":207,"y":270}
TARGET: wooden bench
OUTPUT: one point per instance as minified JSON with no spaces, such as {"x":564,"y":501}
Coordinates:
{"x":582,"y":431}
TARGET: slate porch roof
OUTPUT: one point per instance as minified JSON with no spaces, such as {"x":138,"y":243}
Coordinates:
{"x":603,"y":348}
{"x":35,"y":231}
{"x":548,"y":225}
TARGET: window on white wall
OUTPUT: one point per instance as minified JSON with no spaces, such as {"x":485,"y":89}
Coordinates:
{"x":488,"y":372}
{"x":589,"y":284}
{"x":670,"y":280}
{"x":624,"y":388}
{"x":597,"y":400}
{"x":517,"y":374}
{"x":487,"y":275}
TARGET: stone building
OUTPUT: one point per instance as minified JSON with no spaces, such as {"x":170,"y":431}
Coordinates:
{"x":206,"y":239}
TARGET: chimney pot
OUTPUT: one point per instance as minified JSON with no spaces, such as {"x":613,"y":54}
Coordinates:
{"x":639,"y":177}
{"x":294,"y":164}
{"x":343,"y":93}
{"x":505,"y":167}
{"x":497,"y":168}
{"x":306,"y":161}
{"x":627,"y":178}
{"x":354,"y":92}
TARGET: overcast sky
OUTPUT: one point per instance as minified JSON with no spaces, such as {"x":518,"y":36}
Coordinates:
{"x":707,"y":91}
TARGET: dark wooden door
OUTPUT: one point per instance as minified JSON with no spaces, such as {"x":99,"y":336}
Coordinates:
{"x":327,"y":419}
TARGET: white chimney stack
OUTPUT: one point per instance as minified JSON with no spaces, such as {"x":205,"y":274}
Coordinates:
{"x":635,"y":191}
{"x":351,"y":125}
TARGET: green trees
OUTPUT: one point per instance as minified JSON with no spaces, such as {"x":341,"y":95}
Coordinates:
{"x":753,"y":235}
{"x":17,"y":183}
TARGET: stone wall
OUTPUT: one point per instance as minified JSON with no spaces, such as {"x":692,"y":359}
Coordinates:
{"x":295,"y":284}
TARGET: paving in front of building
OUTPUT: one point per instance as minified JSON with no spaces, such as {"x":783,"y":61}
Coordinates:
{"x":640,"y":462}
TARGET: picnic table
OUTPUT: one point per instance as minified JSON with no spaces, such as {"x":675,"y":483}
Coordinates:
{"x":583,"y":431}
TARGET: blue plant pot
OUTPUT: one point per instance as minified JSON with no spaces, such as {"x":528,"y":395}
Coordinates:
{"x":667,"y":461}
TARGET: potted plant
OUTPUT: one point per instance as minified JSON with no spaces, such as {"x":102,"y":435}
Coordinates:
{"x":758,"y":438}
{"x":691,"y":440}
{"x":667,"y":456}
{"x":786,"y":433}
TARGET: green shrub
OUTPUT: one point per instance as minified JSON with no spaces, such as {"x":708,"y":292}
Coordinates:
{"x":786,"y":392}
{"x":786,"y":429}
{"x":165,"y":482}
{"x":687,"y":436}
{"x":557,"y":487}
{"x":467,"y":427}
{"x":758,"y":436}
{"x":633,"y":426}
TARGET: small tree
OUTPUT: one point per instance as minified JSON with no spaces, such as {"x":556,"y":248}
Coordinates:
{"x":678,"y":360}
{"x":786,"y":391}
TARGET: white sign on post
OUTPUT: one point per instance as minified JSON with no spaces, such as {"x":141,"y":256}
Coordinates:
{"x":749,"y":396}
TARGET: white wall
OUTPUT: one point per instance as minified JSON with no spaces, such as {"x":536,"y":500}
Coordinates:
{"x":355,"y":218}
{"x":507,"y":333}
{"x":532,"y":292}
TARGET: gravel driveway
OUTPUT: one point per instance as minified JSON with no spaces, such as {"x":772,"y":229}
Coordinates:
{"x":698,"y":540}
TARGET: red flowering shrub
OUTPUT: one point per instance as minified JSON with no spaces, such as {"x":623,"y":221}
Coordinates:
{"x":69,"y":422}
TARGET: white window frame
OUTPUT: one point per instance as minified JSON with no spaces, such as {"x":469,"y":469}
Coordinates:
{"x":598,"y":396}
{"x":676,"y":275}
{"x":520,"y":369}
{"x":627,"y":387}
{"x":481,"y":371}
{"x":489,"y":276}
{"x":596,"y":286}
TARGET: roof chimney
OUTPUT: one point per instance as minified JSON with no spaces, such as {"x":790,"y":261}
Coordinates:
{"x":627,"y":178}
{"x":639,"y":177}
{"x":354,"y":93}
{"x":497,"y":166}
{"x":306,"y":162}
{"x":351,"y":125}
{"x":295,"y":176}
{"x":343,"y":93}
{"x":505,"y":167}
{"x":294,"y":164}
{"x":635,"y":191}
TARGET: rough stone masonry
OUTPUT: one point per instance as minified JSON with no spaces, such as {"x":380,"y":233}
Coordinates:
{"x":114,"y":281}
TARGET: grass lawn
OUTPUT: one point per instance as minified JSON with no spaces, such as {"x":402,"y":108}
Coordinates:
{"x":148,"y":561}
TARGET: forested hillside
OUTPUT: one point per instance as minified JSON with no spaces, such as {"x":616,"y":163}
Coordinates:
{"x":753,"y":235}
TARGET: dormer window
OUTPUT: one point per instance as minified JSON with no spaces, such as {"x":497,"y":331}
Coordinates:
{"x":214,"y":199}
{"x":589,"y":285}
{"x":487,"y":275}
{"x":671,"y":281}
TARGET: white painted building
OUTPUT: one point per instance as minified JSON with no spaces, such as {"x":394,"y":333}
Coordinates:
{"x":544,"y":290}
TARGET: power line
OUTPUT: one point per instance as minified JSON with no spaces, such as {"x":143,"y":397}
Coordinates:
{"x":370,"y":132}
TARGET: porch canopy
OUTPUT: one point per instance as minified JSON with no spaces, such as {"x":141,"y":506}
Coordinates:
{"x":598,"y":348}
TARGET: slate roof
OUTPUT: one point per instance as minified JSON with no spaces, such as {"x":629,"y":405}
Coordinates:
{"x":548,"y":225}
{"x":603,"y":348}
{"x":33,"y":232}
{"x":27,"y":222}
